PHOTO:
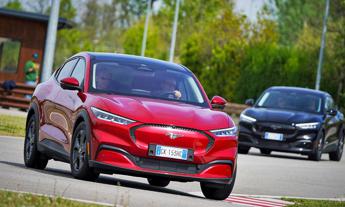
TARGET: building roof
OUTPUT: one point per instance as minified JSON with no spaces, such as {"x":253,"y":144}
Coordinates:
{"x":63,"y":23}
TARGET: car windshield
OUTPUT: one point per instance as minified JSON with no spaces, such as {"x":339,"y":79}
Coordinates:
{"x":146,"y":80}
{"x":291,"y":100}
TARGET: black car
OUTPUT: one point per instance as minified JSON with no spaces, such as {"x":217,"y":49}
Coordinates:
{"x":291,"y":119}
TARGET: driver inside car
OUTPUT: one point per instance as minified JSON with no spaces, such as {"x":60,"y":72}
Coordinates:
{"x":168,"y":89}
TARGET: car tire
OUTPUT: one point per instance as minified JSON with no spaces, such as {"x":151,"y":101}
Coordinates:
{"x":317,"y":151}
{"x":218,"y":191}
{"x":32,"y":157}
{"x":243,"y":150}
{"x":265,"y":151}
{"x":159,"y":182}
{"x":79,"y":159}
{"x":336,"y":155}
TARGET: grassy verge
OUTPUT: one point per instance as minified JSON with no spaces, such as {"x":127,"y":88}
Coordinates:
{"x":314,"y":203}
{"x":10,"y":199}
{"x":12,"y":125}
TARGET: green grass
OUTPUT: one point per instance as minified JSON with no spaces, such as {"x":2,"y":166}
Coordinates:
{"x":314,"y":203}
{"x":12,"y":125}
{"x":12,"y":199}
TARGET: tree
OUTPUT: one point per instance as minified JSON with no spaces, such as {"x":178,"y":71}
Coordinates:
{"x":15,"y":4}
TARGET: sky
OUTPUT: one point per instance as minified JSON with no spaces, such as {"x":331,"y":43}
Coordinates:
{"x":249,"y":7}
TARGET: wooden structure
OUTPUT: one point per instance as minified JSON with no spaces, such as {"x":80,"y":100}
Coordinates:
{"x":22,"y":34}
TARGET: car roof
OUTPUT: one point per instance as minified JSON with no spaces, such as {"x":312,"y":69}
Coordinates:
{"x":299,"y":89}
{"x":102,"y":56}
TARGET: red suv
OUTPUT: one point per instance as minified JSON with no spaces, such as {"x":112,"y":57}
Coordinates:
{"x":112,"y":113}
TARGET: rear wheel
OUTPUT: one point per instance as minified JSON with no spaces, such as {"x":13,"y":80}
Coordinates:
{"x":79,"y":157}
{"x":336,"y":155}
{"x":32,"y":157}
{"x":159,"y":182}
{"x":317,"y":152}
{"x":243,"y":150}
{"x":265,"y":151}
{"x":218,"y":191}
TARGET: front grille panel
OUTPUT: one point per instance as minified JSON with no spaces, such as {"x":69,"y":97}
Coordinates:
{"x":210,"y":139}
{"x":275,"y":127}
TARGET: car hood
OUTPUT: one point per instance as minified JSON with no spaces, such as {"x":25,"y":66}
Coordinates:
{"x":282,"y":116}
{"x":155,"y":111}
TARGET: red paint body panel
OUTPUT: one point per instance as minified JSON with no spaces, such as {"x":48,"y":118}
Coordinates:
{"x":59,"y":110}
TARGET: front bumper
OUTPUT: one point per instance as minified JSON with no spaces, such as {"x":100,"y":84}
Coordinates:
{"x":295,"y":140}
{"x":111,"y":160}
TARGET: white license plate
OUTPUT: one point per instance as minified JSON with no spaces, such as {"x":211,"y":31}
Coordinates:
{"x":171,"y":152}
{"x":273,"y":136}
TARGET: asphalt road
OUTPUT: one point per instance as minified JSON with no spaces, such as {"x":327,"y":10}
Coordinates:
{"x":277,"y":175}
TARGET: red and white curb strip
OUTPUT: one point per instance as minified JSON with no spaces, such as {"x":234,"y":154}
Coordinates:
{"x":257,"y":202}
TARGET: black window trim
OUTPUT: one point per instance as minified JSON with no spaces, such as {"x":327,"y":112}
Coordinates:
{"x":68,"y":60}
{"x":79,"y":58}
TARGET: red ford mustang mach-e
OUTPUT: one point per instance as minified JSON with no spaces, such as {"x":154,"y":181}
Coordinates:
{"x":112,"y":113}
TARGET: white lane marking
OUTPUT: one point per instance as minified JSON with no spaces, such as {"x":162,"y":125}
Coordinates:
{"x":10,"y":137}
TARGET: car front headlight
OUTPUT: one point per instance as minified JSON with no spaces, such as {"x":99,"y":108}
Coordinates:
{"x":225,"y":132}
{"x":106,"y":116}
{"x":246,"y":118}
{"x":312,"y":125}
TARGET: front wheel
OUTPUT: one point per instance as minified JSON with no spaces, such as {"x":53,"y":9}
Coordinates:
{"x":79,"y":157}
{"x":218,"y":191}
{"x":159,"y":182}
{"x":243,"y":150}
{"x":265,"y":151}
{"x":336,"y":155}
{"x":317,"y":152}
{"x":32,"y":157}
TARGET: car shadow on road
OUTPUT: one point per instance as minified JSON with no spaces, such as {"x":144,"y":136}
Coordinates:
{"x":104,"y":180}
{"x":283,"y":156}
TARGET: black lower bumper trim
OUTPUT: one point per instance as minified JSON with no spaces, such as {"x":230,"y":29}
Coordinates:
{"x":102,"y":167}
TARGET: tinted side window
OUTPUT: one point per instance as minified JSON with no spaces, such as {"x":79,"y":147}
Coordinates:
{"x":329,"y":103}
{"x":79,"y":71}
{"x":67,"y":69}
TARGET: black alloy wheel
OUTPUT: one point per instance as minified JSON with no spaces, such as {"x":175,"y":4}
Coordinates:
{"x":336,"y":155}
{"x":79,"y":157}
{"x":32,"y":157}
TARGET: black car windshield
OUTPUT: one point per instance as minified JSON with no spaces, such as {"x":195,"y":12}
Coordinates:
{"x":146,"y":80}
{"x":291,"y":100}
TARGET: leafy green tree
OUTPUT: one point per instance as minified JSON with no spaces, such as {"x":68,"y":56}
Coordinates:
{"x":14,"y":4}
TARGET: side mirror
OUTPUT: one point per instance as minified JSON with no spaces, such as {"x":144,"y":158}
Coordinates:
{"x":249,"y":102}
{"x":70,"y":83}
{"x":218,"y":102}
{"x":332,"y":112}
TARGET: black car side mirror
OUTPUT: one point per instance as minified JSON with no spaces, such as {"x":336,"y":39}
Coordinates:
{"x":249,"y":102}
{"x":332,"y":112}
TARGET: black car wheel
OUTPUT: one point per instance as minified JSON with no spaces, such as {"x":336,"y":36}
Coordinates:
{"x":159,"y":182}
{"x":265,"y":151}
{"x":243,"y":150}
{"x":317,"y":152}
{"x":32,"y":157}
{"x":336,"y":155}
{"x":79,"y":157}
{"x":218,"y":191}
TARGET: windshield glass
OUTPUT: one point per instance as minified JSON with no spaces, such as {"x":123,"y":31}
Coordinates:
{"x":147,"y":80}
{"x":291,"y":100}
